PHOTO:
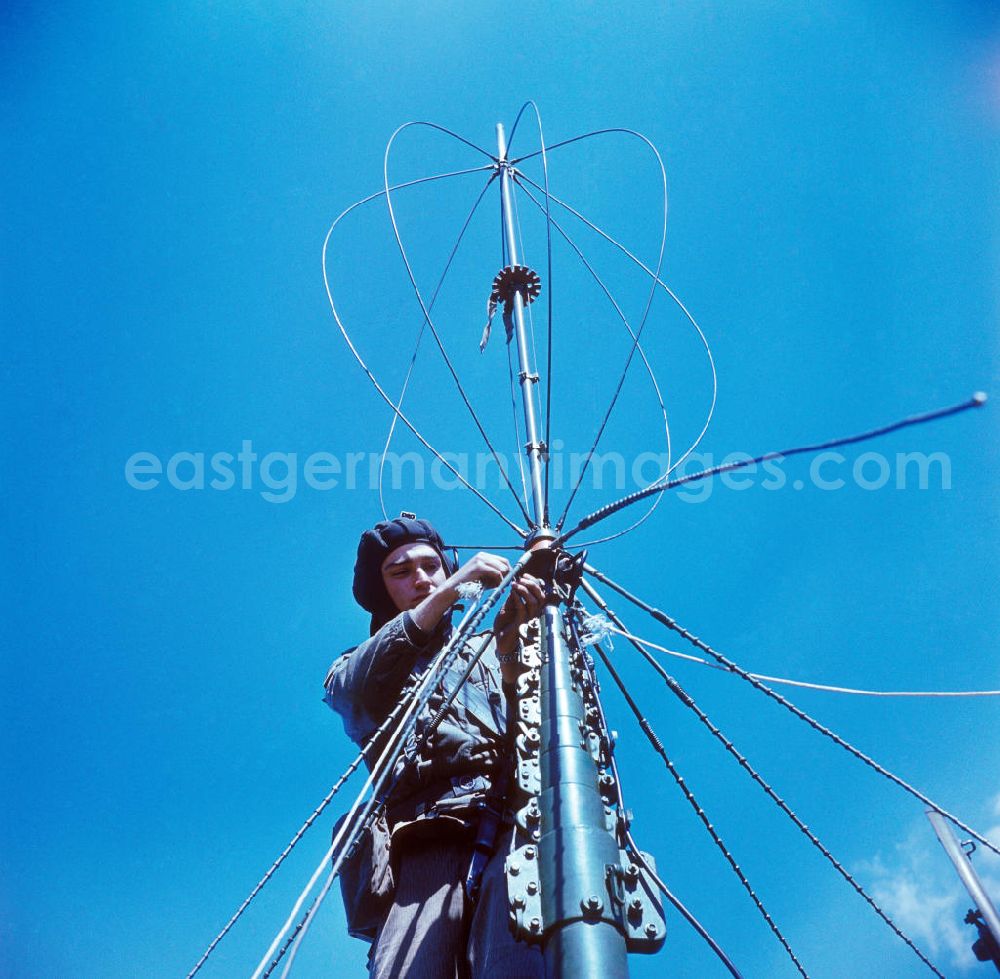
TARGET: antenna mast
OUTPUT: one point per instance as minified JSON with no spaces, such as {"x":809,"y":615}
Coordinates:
{"x":536,"y":449}
{"x":570,"y":884}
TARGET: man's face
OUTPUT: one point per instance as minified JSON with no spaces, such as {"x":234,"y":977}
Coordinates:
{"x":411,"y":572}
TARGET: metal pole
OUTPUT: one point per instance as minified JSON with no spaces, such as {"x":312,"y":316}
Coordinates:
{"x":526,"y":375}
{"x":966,"y":872}
{"x":578,"y":858}
{"x":576,"y":853}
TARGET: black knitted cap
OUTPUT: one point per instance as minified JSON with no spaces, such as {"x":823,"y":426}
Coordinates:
{"x":374,"y":547}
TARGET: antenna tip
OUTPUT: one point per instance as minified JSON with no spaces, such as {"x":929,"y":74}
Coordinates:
{"x":980,"y":398}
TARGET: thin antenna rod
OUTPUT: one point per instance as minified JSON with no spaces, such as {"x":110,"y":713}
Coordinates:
{"x":527,"y":376}
{"x":967,"y":873}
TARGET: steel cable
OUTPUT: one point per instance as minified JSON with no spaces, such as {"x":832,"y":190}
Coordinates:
{"x":469,"y":623}
{"x":976,"y":401}
{"x":658,"y":747}
{"x":383,"y":728}
{"x":376,"y":779}
{"x":636,"y":853}
{"x":824,"y":687}
{"x":743,"y":762}
{"x":670,"y":623}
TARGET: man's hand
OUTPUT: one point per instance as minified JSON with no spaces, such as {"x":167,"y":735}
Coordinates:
{"x":487,"y":569}
{"x":525,"y":602}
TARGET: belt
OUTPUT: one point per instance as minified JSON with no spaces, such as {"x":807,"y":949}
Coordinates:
{"x":463,"y":792}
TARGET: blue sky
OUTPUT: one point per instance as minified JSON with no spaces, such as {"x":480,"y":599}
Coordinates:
{"x":170,"y":174}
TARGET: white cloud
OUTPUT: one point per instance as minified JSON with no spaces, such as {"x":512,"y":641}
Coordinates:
{"x":917,"y":886}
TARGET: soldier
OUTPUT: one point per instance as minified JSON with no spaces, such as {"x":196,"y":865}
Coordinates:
{"x":429,"y":890}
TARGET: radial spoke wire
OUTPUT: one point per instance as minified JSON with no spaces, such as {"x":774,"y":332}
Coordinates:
{"x":420,"y":334}
{"x":364,"y":366}
{"x":743,"y":762}
{"x":638,"y":346}
{"x":429,"y":320}
{"x":673,"y":297}
{"x":671,"y":624}
{"x":649,"y":301}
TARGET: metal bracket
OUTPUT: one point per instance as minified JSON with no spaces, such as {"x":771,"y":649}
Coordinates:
{"x":639,"y":905}
{"x":516,"y":280}
{"x":525,"y":899}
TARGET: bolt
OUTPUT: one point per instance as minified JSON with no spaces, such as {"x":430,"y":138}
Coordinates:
{"x":534,"y":814}
{"x":635,"y":906}
{"x":515,"y":869}
{"x":535,"y":924}
{"x":529,"y":853}
{"x":517,"y":901}
{"x":532,"y":887}
{"x":592,"y":904}
{"x":631,"y":872}
{"x":651,"y":930}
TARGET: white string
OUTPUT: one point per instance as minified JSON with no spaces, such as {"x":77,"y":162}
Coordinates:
{"x":802,"y":683}
{"x":468,"y":590}
{"x":594,"y":629}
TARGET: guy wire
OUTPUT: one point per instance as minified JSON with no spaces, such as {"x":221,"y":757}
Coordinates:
{"x":351,"y":769}
{"x":376,"y":778}
{"x":744,"y":763}
{"x":824,"y":687}
{"x":699,"y":811}
{"x":636,"y":853}
{"x":469,"y":623}
{"x":670,"y":623}
{"x":976,"y":401}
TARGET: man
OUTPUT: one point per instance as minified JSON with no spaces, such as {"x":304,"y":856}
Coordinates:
{"x":448,"y":916}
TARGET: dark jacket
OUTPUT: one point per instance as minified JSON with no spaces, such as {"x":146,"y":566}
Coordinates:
{"x":465,"y":754}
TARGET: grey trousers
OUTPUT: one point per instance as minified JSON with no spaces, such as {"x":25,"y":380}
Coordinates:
{"x":432,"y":933}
